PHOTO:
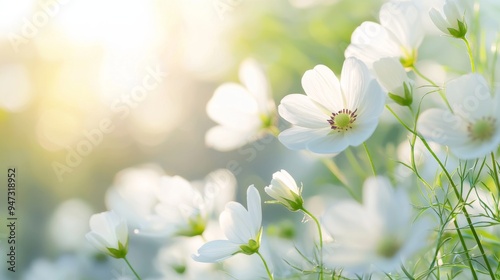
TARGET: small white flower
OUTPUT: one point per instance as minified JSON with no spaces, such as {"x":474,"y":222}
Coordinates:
{"x":284,"y":189}
{"x":242,"y":112}
{"x":393,"y":78}
{"x":453,"y":22}
{"x":333,"y":115}
{"x":472,"y":130}
{"x":398,"y":35}
{"x":242,"y":228}
{"x":109,"y":234}
{"x":375,"y":235}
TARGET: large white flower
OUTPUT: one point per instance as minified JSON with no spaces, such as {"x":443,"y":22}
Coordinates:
{"x":398,"y":35}
{"x":374,"y":236}
{"x":242,"y":111}
{"x":242,"y":228}
{"x":109,"y":234}
{"x":333,"y":115}
{"x":472,"y":130}
{"x":453,"y":22}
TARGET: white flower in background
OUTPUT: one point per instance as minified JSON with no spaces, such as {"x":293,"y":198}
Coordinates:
{"x":284,"y":189}
{"x":452,"y":22}
{"x":133,"y":196}
{"x":375,"y":236}
{"x":333,"y":115}
{"x":243,"y":112}
{"x":109,"y":234}
{"x":241,"y":227}
{"x":398,"y":35}
{"x":472,"y":130}
{"x":181,"y":207}
{"x":393,"y":78}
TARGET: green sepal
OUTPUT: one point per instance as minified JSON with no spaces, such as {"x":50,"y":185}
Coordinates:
{"x":119,"y":253}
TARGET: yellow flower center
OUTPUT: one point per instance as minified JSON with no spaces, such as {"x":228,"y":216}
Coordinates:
{"x":342,"y":120}
{"x":482,"y":129}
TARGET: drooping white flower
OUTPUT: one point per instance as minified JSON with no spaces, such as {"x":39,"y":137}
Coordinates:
{"x":109,"y":234}
{"x":241,"y":227}
{"x":242,"y":111}
{"x":284,"y":189}
{"x":393,"y":78}
{"x":333,"y":115}
{"x":472,"y":130}
{"x":398,"y":35}
{"x":452,"y":21}
{"x":375,"y":236}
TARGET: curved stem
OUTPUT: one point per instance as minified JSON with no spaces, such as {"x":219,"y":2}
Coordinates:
{"x":495,"y":172}
{"x":370,"y":159}
{"x":320,"y":241}
{"x":333,"y":167}
{"x":265,"y":265}
{"x":131,"y":268}
{"x":471,"y":57}
{"x":421,"y":75}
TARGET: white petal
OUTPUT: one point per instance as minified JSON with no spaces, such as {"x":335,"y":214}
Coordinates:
{"x":442,"y":127}
{"x":371,"y":103}
{"x":254,"y":209}
{"x":252,"y":76}
{"x":233,"y":106}
{"x":452,"y":13}
{"x":361,"y":132}
{"x":476,"y":149}
{"x":216,"y":251}
{"x":469,"y":96}
{"x":354,"y":82}
{"x":98,"y":242}
{"x":370,"y":41}
{"x":225,"y":139}
{"x":298,"y":109}
{"x":347,"y":222}
{"x":404,"y":21}
{"x":390,"y":73}
{"x":330,"y":144}
{"x":236,"y":223}
{"x":287,"y":179}
{"x":322,"y":86}
{"x":439,"y":21}
{"x":296,"y":138}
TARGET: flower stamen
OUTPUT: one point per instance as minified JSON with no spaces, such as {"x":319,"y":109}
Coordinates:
{"x":342,"y":120}
{"x":483,"y":129}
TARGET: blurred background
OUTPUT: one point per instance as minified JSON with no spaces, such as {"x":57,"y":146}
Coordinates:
{"x":89,"y":88}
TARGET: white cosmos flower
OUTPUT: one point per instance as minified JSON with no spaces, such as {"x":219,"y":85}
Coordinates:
{"x":393,"y":78}
{"x":242,"y":228}
{"x":453,"y":22}
{"x":472,"y":130}
{"x":375,"y":236}
{"x":109,"y":234}
{"x":284,"y":189}
{"x":398,"y":35}
{"x":333,"y":115}
{"x":242,"y":111}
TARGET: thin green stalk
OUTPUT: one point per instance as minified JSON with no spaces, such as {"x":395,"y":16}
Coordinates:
{"x":370,"y":159}
{"x":495,"y":172}
{"x":131,"y":268}
{"x":333,"y":167}
{"x":471,"y":56}
{"x":320,"y":242}
{"x":421,"y":75}
{"x":464,"y":246}
{"x":354,"y":162}
{"x":265,"y":265}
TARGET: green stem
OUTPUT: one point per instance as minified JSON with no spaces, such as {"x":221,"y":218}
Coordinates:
{"x":333,"y":167}
{"x":495,"y":172}
{"x":464,"y":246}
{"x":265,"y":265}
{"x":131,"y":268}
{"x":421,"y":75}
{"x":320,"y":241}
{"x":471,"y":57}
{"x":370,"y":159}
